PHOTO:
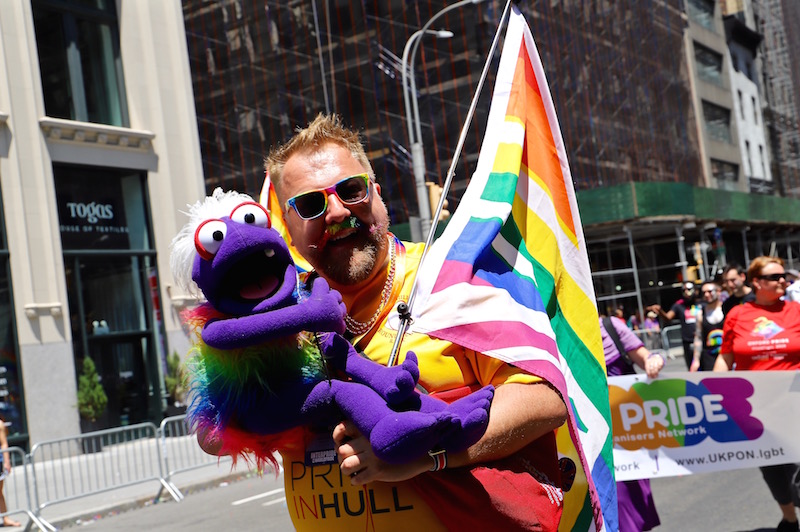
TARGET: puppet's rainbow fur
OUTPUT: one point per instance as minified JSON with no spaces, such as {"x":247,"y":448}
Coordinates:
{"x":223,"y":382}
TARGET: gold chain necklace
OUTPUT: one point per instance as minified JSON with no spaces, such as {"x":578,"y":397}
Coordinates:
{"x":357,"y":328}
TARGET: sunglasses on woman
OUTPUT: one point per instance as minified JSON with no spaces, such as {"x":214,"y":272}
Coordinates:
{"x":773,"y":276}
{"x":312,"y":204}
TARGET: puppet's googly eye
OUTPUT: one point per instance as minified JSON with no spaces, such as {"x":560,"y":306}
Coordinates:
{"x":251,"y":213}
{"x":269,"y":253}
{"x":208,"y":238}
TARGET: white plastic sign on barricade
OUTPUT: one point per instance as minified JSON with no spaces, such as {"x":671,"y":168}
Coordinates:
{"x":684,"y":423}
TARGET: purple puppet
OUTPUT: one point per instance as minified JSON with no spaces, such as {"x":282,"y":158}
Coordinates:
{"x":268,"y":359}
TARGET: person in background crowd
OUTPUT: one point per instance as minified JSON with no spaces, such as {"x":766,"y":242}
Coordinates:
{"x":793,"y":290}
{"x":708,"y":337}
{"x":734,"y":278}
{"x":652,"y":331}
{"x":633,"y":321}
{"x":746,"y":328}
{"x":685,"y":311}
{"x":510,"y":479}
{"x":637,"y":510}
{"x":7,"y":521}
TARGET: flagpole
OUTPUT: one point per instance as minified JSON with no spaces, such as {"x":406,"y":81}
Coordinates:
{"x":404,"y":309}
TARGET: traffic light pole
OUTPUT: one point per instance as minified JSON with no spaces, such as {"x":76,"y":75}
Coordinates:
{"x":418,"y":162}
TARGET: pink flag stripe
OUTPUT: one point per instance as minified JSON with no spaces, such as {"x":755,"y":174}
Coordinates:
{"x":501,"y":335}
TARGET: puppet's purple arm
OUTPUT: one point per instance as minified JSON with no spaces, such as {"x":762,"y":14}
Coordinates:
{"x":395,"y":384}
{"x":322,"y":311}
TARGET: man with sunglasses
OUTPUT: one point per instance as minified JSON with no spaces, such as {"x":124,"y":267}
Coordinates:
{"x":337,"y":220}
{"x":685,"y":310}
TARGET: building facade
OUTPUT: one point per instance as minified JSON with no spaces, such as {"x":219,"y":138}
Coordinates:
{"x":673,"y":180}
{"x":98,"y":154}
{"x":776,"y":21}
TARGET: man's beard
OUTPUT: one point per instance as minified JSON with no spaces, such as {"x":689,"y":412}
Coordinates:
{"x":356,"y":263}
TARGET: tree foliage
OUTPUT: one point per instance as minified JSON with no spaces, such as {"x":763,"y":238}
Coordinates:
{"x":92,"y":399}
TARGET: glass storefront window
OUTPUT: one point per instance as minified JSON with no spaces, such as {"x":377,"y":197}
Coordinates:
{"x":112,"y":324}
{"x":12,"y":410}
{"x":112,"y":286}
{"x":79,"y":59}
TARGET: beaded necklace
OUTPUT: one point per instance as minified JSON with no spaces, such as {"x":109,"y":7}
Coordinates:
{"x":357,"y":328}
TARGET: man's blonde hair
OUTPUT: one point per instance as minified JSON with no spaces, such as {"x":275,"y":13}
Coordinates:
{"x":322,"y":130}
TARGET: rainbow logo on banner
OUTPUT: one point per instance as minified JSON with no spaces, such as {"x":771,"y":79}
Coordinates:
{"x":679,"y":413}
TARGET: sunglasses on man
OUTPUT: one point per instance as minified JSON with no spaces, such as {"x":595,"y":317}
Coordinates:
{"x":313,"y":204}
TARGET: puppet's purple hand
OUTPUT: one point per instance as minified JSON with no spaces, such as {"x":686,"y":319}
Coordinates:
{"x":324,"y":308}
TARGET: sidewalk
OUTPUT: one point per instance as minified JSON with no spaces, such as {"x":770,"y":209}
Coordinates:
{"x":78,"y":479}
{"x":83,"y":510}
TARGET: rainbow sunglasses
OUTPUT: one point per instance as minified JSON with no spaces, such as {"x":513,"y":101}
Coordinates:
{"x":312,"y":204}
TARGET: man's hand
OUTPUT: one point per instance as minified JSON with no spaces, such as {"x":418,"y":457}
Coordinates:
{"x":520,"y":414}
{"x":357,"y":461}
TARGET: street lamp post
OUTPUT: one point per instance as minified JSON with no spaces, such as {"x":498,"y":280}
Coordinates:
{"x":421,"y":228}
{"x":412,"y":117}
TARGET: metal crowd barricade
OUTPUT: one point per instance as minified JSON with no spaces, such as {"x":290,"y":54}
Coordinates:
{"x":671,"y":341}
{"x":95,"y":462}
{"x":650,"y":338}
{"x":16,"y":487}
{"x":181,"y":451}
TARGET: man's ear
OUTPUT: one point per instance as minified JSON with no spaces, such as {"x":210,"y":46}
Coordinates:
{"x":377,"y":188}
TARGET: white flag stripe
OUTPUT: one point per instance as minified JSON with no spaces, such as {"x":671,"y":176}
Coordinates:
{"x":486,"y":210}
{"x":512,"y":256}
{"x":448,"y":308}
{"x":591,"y":418}
{"x":512,"y":132}
{"x":524,"y":352}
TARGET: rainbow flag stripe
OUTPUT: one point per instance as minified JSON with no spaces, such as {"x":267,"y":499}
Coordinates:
{"x":510,"y":277}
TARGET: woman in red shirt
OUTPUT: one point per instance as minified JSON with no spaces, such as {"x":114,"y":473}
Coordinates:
{"x":765,"y":335}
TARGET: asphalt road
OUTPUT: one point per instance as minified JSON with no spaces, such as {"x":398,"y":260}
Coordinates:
{"x":727,"y":501}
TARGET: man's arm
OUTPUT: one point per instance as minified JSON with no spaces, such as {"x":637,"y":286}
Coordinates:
{"x":520,"y":414}
{"x":724,"y":362}
{"x":651,"y":363}
{"x":669,"y":315}
{"x":697,"y":345}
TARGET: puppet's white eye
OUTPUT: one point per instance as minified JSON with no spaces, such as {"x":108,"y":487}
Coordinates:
{"x":251,"y":213}
{"x":208,"y":238}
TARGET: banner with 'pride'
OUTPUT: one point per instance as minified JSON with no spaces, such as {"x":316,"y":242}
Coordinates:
{"x":685,"y":423}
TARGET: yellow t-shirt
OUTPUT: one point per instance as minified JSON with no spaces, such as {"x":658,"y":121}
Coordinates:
{"x":319,"y":498}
